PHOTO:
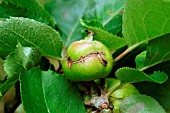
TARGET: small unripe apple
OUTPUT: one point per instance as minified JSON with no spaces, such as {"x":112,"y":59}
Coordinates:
{"x":87,"y":60}
{"x":117,"y":96}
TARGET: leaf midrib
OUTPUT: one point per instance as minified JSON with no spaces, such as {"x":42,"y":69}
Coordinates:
{"x":44,"y":94}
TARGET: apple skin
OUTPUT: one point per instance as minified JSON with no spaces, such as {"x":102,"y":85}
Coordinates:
{"x":92,"y":53}
{"x":120,"y":94}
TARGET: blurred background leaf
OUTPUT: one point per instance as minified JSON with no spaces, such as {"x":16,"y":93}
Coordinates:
{"x":67,"y":14}
{"x":108,"y":12}
{"x":29,"y":9}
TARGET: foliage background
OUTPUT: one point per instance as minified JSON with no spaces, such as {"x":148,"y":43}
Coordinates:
{"x":146,"y":39}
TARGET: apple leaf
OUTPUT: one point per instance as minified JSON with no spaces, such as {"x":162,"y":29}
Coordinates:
{"x":161,"y":92}
{"x":29,"y":33}
{"x":140,"y":60}
{"x":67,"y":15}
{"x":28,"y":9}
{"x":115,"y":25}
{"x":93,"y":23}
{"x":104,"y":11}
{"x":111,"y":84}
{"x":158,"y":51}
{"x":111,"y":41}
{"x":140,"y":104}
{"x":132,"y":75}
{"x":49,"y":92}
{"x":145,"y":20}
{"x":23,"y":58}
{"x":108,"y":12}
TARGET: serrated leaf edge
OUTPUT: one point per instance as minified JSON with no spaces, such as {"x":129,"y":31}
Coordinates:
{"x":146,"y":75}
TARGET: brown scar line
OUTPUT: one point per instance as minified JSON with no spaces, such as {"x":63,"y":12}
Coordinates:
{"x":83,"y":58}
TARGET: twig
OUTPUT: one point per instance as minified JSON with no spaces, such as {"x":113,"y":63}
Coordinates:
{"x":121,"y":55}
{"x":128,"y":50}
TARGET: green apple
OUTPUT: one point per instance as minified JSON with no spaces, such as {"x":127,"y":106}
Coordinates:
{"x":87,"y":60}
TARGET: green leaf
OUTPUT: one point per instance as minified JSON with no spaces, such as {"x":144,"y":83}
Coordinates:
{"x":163,"y":95}
{"x":103,"y":10}
{"x":29,"y":33}
{"x":140,"y":60}
{"x":29,"y":9}
{"x":115,"y":25}
{"x":160,"y":92}
{"x":108,"y":12}
{"x":158,"y":51}
{"x":49,"y":92}
{"x":133,"y":75}
{"x":67,"y":15}
{"x":111,"y":84}
{"x":141,"y":104}
{"x":22,"y":59}
{"x":93,"y":23}
{"x":145,"y":20}
{"x":111,"y":41}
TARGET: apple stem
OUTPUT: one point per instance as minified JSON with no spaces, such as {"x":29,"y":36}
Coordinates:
{"x":90,"y":35}
{"x":98,"y":102}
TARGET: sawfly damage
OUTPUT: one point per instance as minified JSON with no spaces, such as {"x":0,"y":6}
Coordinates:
{"x":83,"y":58}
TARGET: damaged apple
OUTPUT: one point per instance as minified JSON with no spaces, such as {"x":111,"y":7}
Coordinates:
{"x":87,"y":60}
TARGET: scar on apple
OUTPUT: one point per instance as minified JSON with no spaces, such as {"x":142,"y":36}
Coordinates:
{"x":83,"y":58}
